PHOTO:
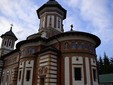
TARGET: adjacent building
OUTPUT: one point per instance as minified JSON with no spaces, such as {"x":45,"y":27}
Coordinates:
{"x":51,"y":56}
{"x":106,"y":79}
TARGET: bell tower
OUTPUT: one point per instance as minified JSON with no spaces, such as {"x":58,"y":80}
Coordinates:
{"x":51,"y":16}
{"x":8,"y":41}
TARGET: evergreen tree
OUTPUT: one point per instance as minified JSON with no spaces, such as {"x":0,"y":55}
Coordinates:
{"x":100,"y":66}
{"x":106,"y":64}
{"x":111,"y":65}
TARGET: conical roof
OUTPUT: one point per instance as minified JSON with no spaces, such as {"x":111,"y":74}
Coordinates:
{"x":52,"y":3}
{"x":9,"y":33}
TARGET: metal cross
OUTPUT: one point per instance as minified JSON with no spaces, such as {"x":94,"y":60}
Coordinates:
{"x":71,"y":27}
{"x":11,"y":26}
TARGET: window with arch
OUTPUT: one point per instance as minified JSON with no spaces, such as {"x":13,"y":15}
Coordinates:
{"x":5,"y":42}
{"x":58,"y":22}
{"x":74,"y":45}
{"x":10,"y":43}
{"x":66,"y":45}
{"x":20,"y":72}
{"x":94,"y":74}
{"x":28,"y":72}
{"x":77,"y":73}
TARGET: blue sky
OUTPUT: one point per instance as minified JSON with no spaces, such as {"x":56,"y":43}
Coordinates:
{"x":92,"y":16}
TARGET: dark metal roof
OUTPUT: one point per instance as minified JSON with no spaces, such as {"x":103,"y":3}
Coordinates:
{"x":52,"y":3}
{"x":9,"y":33}
{"x":29,"y":41}
{"x":95,"y":38}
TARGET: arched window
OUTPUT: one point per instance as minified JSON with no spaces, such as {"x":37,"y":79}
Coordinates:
{"x":28,"y":72}
{"x":4,"y":42}
{"x":58,"y":22}
{"x":66,"y":45}
{"x":74,"y":45}
{"x":10,"y":43}
{"x":20,"y":75}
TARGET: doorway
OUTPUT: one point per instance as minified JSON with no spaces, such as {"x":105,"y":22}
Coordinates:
{"x":42,"y":81}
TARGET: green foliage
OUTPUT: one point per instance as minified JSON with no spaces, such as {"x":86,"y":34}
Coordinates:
{"x":105,"y":65}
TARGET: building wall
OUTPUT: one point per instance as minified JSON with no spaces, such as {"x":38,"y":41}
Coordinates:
{"x":1,"y":66}
{"x":10,"y":69}
{"x":86,"y":64}
{"x":48,"y":69}
{"x":24,"y":67}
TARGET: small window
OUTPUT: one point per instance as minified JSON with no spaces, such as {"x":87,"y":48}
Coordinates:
{"x":77,"y":74}
{"x":19,"y":75}
{"x":27,"y":75}
{"x":12,"y":44}
{"x":7,"y":78}
{"x":4,"y":42}
{"x":9,"y":43}
{"x":94,"y":74}
{"x":59,"y":22}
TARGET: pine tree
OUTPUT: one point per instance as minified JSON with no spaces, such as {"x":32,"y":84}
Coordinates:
{"x":106,"y":64}
{"x":100,"y":66}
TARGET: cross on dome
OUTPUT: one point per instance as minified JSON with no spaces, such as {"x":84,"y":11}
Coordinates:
{"x":11,"y":26}
{"x":72,"y":27}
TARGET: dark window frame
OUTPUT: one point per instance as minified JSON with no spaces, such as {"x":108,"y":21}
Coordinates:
{"x":77,"y":73}
{"x":20,"y":73}
{"x":94,"y":75}
{"x":28,"y":73}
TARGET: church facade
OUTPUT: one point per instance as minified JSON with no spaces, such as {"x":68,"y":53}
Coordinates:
{"x":51,"y":56}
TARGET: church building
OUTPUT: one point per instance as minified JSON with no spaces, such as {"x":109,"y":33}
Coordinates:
{"x":51,"y":56}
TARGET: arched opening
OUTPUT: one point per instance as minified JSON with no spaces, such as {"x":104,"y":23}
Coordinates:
{"x":42,"y":80}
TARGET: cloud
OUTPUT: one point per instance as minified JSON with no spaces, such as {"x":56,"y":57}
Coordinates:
{"x":97,"y":16}
{"x":20,"y":13}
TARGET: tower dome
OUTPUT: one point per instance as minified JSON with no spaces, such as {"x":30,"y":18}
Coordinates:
{"x":9,"y":34}
{"x":52,"y":3}
{"x":8,"y":41}
{"x":51,"y":16}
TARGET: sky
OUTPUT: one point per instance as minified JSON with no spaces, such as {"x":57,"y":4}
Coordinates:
{"x":92,"y":16}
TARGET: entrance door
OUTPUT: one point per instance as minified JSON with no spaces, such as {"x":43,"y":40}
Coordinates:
{"x":42,"y":81}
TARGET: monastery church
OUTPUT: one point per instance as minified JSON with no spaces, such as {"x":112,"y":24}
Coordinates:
{"x":51,"y":56}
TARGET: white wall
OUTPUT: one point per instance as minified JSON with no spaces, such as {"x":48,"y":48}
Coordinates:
{"x":24,"y":66}
{"x":87,"y":71}
{"x":29,"y":67}
{"x":67,"y":73}
{"x":21,"y":67}
{"x":77,"y":61}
